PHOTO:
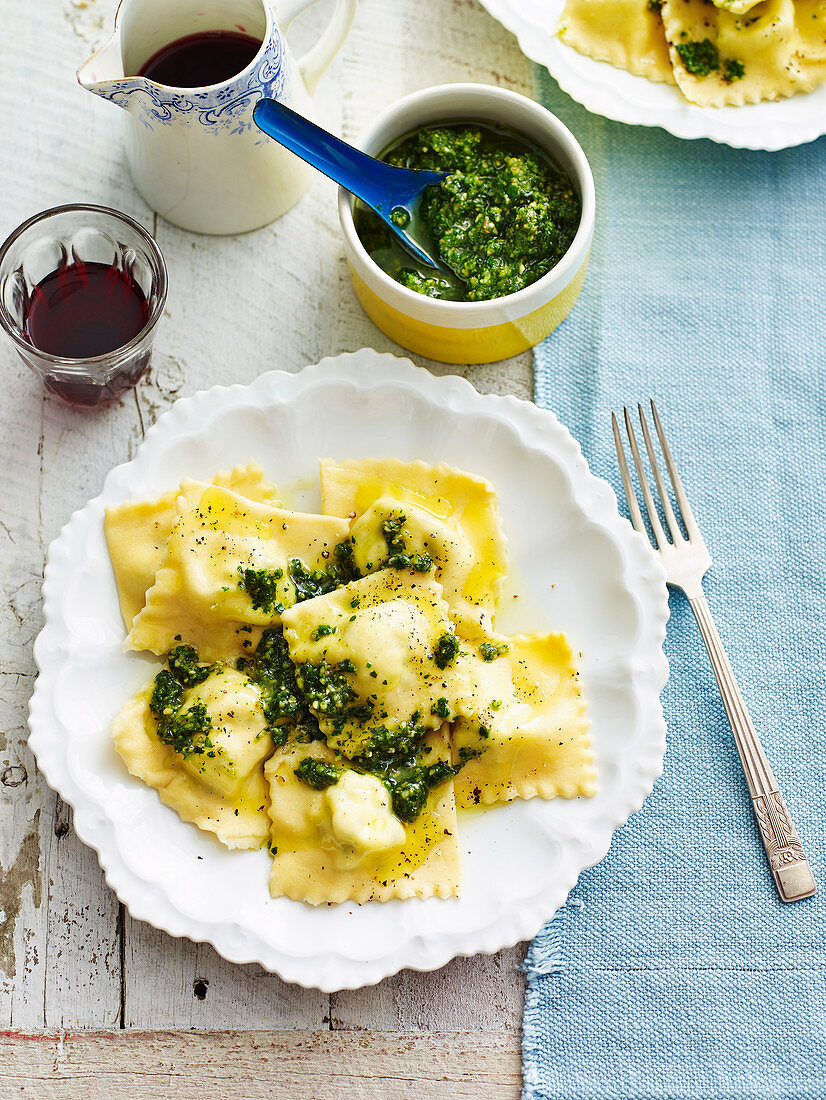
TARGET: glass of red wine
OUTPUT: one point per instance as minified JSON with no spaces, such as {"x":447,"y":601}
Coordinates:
{"x":82,"y":289}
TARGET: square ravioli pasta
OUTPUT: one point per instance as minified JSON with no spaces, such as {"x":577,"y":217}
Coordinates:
{"x":137,"y":530}
{"x":435,"y":518}
{"x":626,"y":33}
{"x":231,"y":567}
{"x":724,"y":58}
{"x":374,"y":658}
{"x":521,"y":730}
{"x":202,"y":748}
{"x":340,"y":841}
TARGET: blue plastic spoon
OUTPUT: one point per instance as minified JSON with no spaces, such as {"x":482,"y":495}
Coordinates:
{"x":391,"y":192}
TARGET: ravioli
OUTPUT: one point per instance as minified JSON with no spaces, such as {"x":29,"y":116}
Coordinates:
{"x":719,"y":52}
{"x":319,"y":856}
{"x":360,"y":643}
{"x":197,"y":596}
{"x":739,"y":7}
{"x":626,"y":33}
{"x":137,"y":531}
{"x":756,"y":56}
{"x":368,"y":656}
{"x":810,"y":23}
{"x":522,"y":723}
{"x":451,"y":516}
{"x":223,"y":793}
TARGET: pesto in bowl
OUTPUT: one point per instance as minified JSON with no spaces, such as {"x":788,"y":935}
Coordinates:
{"x":504,"y":216}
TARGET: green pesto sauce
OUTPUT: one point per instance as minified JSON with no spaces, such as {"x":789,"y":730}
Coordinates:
{"x":317,"y":773}
{"x":503,"y":217}
{"x":446,"y":649}
{"x":263,"y":586}
{"x":283,"y":703}
{"x":187,"y":732}
{"x":395,"y":754}
{"x":396,"y":536}
{"x":703,"y":58}
{"x":489,"y":651}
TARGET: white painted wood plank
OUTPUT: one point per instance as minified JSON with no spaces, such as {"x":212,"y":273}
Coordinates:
{"x":260,"y":1066}
{"x":83,"y":972}
{"x":26,"y":804}
{"x":61,"y":149}
{"x":484,"y":993}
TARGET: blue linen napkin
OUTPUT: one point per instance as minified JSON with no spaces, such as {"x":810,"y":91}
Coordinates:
{"x":674,"y":970}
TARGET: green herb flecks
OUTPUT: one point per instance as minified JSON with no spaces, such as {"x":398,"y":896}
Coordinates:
{"x":489,"y":651}
{"x":733,"y":70}
{"x":281,"y":699}
{"x":339,"y":571}
{"x":326,"y":688}
{"x":703,"y":58}
{"x":699,"y":58}
{"x":167,"y":695}
{"x":186,"y":731}
{"x":446,"y":650}
{"x":441,"y":708}
{"x":317,"y":774}
{"x":422,"y":563}
{"x":262,"y":587}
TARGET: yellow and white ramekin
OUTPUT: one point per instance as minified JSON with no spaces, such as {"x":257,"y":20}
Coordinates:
{"x":473,"y":332}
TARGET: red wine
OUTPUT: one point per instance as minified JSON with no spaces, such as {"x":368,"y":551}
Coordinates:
{"x":85,"y":309}
{"x":198,"y":60}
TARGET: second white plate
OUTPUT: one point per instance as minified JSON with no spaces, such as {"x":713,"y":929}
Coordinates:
{"x":621,"y":96}
{"x":578,"y":566}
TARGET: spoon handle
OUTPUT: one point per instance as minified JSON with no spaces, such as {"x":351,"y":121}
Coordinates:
{"x":379,"y":185}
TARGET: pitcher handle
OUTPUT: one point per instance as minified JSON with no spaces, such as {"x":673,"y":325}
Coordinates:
{"x":315,"y":62}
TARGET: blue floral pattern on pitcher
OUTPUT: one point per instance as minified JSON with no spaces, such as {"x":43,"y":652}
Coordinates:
{"x":226,"y":108}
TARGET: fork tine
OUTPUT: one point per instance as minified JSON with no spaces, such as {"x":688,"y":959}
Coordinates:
{"x":630,"y":493}
{"x":679,"y":492}
{"x":653,"y":517}
{"x":668,"y":511}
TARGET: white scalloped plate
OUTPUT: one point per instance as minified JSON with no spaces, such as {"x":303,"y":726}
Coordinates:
{"x":621,"y":96}
{"x":580,"y":568}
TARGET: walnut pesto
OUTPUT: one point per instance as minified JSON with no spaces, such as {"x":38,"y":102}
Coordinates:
{"x":501,"y":219}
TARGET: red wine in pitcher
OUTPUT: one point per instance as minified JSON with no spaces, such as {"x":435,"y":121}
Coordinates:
{"x":198,"y":60}
{"x":84,"y":310}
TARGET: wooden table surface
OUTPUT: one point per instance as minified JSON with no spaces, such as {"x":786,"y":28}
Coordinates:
{"x":92,"y":1003}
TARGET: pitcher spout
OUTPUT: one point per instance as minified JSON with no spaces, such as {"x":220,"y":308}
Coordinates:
{"x":103,"y":68}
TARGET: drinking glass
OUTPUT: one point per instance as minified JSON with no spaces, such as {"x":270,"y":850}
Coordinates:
{"x":78,"y":234}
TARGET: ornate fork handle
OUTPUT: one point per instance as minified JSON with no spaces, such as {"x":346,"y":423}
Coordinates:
{"x":792,"y":873}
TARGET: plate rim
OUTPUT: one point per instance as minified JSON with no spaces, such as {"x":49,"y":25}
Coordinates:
{"x":145,"y":899}
{"x":597,"y":91}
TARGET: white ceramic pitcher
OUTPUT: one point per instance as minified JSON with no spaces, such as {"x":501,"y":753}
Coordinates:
{"x":194,"y":153}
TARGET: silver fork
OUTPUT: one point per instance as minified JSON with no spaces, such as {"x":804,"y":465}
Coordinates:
{"x":686,"y":561}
